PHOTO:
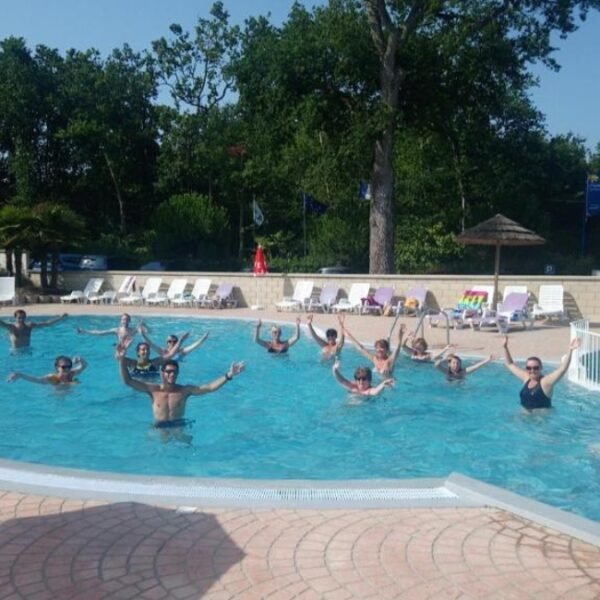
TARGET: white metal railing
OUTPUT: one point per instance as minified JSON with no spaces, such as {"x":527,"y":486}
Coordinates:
{"x":585,"y":364}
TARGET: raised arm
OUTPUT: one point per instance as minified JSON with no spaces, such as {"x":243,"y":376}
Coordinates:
{"x":257,"y":335}
{"x":112,"y":331}
{"x":556,"y":375}
{"x":79,"y":365}
{"x":440,"y":354}
{"x":510,"y":365}
{"x":193,"y":346}
{"x":172,"y":352}
{"x":313,"y":333}
{"x":396,"y":351}
{"x":197,"y":390}
{"x":407,"y":344}
{"x":340,"y":378}
{"x":154,"y":346}
{"x":296,"y":335}
{"x":140,"y":386}
{"x":49,"y":322}
{"x":376,"y":390}
{"x":480,"y":364}
{"x":358,"y":345}
{"x":342,"y":337}
{"x":31,"y":378}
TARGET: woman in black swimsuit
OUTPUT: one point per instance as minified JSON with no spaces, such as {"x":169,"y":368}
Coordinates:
{"x":537,"y":389}
{"x":276,"y":345}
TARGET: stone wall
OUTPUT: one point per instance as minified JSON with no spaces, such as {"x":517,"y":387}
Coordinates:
{"x":582,"y":294}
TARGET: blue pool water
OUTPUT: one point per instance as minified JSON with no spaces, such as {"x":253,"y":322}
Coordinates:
{"x":286,"y":418}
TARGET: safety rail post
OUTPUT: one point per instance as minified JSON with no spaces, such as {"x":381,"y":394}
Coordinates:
{"x":585,"y":365}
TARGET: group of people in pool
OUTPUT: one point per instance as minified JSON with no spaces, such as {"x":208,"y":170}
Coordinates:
{"x":169,"y":398}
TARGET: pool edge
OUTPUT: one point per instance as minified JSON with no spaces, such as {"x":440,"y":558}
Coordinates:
{"x":456,"y":490}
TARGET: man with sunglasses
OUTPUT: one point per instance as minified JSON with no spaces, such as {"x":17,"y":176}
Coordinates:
{"x":66,"y":370}
{"x":168,"y":397}
{"x":537,"y":389}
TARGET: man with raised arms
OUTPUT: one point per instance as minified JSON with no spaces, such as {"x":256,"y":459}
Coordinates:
{"x":20,"y":330}
{"x":168,"y":397}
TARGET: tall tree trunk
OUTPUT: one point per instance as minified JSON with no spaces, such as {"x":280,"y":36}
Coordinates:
{"x":122,"y":228}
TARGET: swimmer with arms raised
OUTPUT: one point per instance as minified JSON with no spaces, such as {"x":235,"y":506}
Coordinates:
{"x":537,"y":388}
{"x":168,"y":397}
{"x":452,"y":366}
{"x":276,"y":345}
{"x":66,"y":371}
{"x":173,"y":340}
{"x":331,"y":345}
{"x":20,"y":330}
{"x":144,"y":366}
{"x":123,"y":332}
{"x":362,"y":381}
{"x":383,"y":361}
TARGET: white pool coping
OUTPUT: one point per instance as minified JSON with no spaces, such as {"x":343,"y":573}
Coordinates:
{"x":454,"y":491}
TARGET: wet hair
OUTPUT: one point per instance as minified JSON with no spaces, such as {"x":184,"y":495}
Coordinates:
{"x":18,"y":312}
{"x":62,"y":358}
{"x":141,"y":344}
{"x":126,"y":315}
{"x":170,"y":363}
{"x":421,"y":342}
{"x":363,"y":372}
{"x":383,"y":343}
{"x":331,"y":333}
{"x":458,"y":358}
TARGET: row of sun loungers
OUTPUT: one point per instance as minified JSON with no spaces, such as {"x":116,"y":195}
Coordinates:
{"x":151,"y":293}
{"x":475,"y":308}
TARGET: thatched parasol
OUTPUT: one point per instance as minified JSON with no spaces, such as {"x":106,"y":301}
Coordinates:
{"x":499,"y":231}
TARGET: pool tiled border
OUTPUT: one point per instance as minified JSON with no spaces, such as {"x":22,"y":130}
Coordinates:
{"x":455,"y":491}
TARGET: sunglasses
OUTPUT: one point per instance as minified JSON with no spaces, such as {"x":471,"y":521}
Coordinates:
{"x":532,"y":368}
{"x":171,"y":341}
{"x":169,"y":371}
{"x":65,"y":367}
{"x":361,"y":379}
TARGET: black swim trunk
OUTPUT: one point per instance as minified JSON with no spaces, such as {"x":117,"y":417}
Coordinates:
{"x":173,"y":424}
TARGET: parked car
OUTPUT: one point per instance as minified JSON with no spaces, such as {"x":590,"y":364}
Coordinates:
{"x":94,"y":262}
{"x":337,"y":269}
{"x":66,"y":262}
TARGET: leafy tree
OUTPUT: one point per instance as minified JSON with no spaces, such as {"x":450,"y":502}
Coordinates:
{"x":190,"y":226}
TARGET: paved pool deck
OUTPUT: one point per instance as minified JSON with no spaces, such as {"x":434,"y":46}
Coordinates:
{"x":59,"y":546}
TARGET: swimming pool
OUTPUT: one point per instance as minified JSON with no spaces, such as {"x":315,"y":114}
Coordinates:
{"x":286,"y":418}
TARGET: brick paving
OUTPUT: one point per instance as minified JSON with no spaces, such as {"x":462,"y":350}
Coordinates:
{"x":52,"y":548}
{"x":55,"y":548}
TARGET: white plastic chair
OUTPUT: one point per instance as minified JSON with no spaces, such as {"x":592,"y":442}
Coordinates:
{"x":300,"y":298}
{"x":550,"y":302}
{"x":353,"y":302}
{"x":176,"y":290}
{"x":91,"y":290}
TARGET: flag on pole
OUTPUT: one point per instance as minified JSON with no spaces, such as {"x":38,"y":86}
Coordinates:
{"x":364,"y":190}
{"x":259,"y":218}
{"x":313,"y":206}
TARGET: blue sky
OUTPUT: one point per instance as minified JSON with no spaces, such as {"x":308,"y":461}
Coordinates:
{"x":569,"y":98}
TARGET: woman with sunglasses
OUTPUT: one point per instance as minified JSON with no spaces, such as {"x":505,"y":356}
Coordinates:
{"x":276,"y":345}
{"x":66,"y":371}
{"x":537,"y":389}
{"x":362,"y":381}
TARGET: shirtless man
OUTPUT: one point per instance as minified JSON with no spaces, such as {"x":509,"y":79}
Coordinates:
{"x":66,"y":370}
{"x":362,"y":381}
{"x":383,"y":361}
{"x":20,"y":330}
{"x":537,"y":388}
{"x":172,"y":341}
{"x":331,"y":346}
{"x":277,"y":345}
{"x":169,"y":398}
{"x":123,"y":332}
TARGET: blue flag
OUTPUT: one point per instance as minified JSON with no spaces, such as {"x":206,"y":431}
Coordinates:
{"x":364,"y":190}
{"x":592,"y":197}
{"x":313,"y":206}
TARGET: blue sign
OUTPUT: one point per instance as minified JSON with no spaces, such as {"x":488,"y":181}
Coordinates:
{"x":592,"y":197}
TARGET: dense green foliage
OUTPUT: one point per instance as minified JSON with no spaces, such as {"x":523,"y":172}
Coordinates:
{"x":161,"y":154}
